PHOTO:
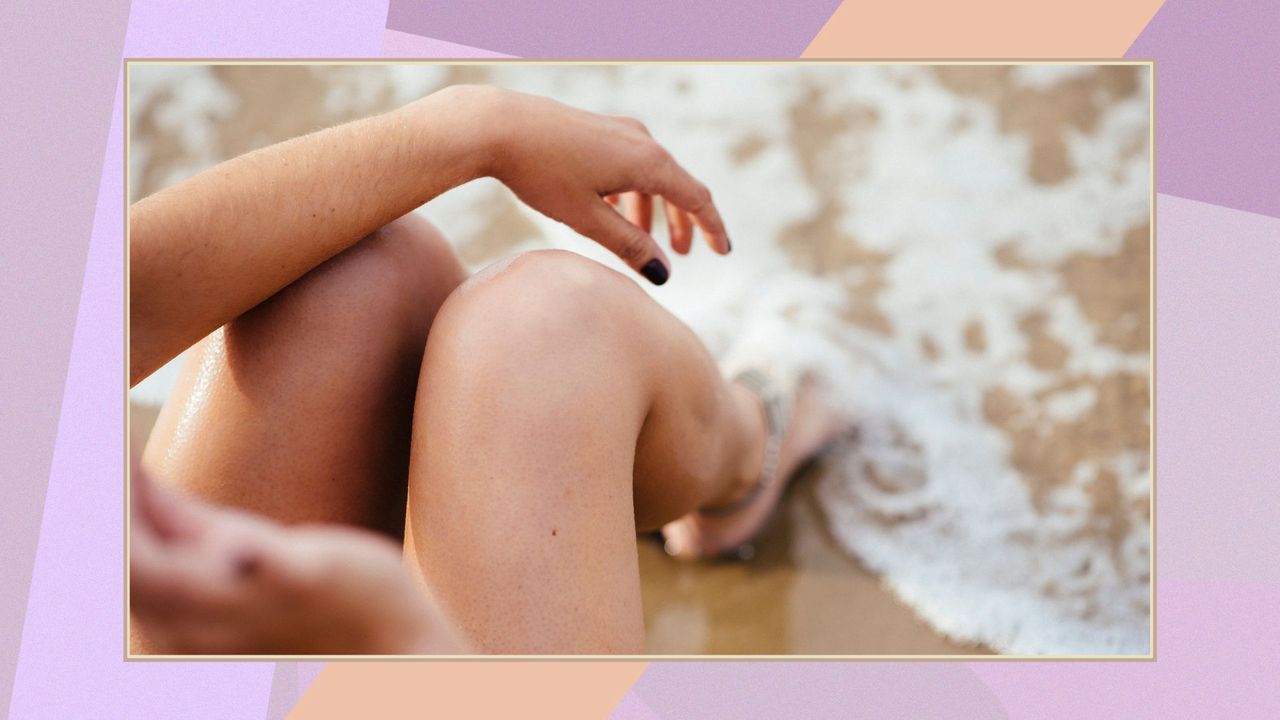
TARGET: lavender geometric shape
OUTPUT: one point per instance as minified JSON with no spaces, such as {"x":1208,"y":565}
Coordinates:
{"x":396,"y":44}
{"x":1218,"y":656}
{"x":59,"y":65}
{"x":1217,"y":392}
{"x":1217,"y":104}
{"x":248,"y":29}
{"x":614,"y":29}
{"x":284,"y":691}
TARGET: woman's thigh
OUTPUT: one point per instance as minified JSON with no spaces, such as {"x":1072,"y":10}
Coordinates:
{"x":300,"y":409}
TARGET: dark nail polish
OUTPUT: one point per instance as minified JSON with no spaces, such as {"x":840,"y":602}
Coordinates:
{"x":728,"y":246}
{"x":655,"y":271}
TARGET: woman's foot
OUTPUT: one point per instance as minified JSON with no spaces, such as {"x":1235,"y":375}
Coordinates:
{"x":726,"y":524}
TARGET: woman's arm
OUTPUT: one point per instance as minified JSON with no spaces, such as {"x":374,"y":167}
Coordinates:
{"x":206,"y":250}
{"x":212,"y":247}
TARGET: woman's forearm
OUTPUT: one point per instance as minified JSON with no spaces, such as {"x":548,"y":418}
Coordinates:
{"x":210,"y":248}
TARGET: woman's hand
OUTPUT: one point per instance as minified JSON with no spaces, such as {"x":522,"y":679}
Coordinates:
{"x":572,"y":166}
{"x":207,"y":580}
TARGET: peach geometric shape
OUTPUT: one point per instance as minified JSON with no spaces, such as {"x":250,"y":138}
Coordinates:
{"x":389,"y":690}
{"x":924,"y":29}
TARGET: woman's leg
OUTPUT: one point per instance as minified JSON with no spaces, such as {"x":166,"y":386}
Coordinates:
{"x":300,"y":409}
{"x":560,"y":409}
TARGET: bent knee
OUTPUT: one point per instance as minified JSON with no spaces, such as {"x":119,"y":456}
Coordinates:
{"x":569,"y":273}
{"x":542,"y":304}
{"x":408,"y":252}
{"x":392,"y":282}
{"x":412,"y":237}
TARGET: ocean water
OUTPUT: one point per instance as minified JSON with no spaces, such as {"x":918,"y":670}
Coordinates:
{"x":952,"y":253}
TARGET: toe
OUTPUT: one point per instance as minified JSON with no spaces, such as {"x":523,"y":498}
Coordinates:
{"x":681,"y":538}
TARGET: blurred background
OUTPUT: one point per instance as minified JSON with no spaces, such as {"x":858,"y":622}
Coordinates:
{"x":962,"y":252}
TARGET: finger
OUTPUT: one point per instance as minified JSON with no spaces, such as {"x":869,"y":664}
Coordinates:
{"x":640,"y":210}
{"x":679,"y":226}
{"x":192,"y":579}
{"x":613,"y":199}
{"x":169,"y":514}
{"x":676,"y":184}
{"x":633,"y":123}
{"x":139,"y":494}
{"x":634,"y":246}
{"x":151,"y":582}
{"x":152,"y":508}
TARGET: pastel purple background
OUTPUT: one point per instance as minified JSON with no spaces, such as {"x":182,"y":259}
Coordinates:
{"x":61,"y":352}
{"x":653,"y":29}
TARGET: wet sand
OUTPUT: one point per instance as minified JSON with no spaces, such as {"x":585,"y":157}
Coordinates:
{"x":801,"y":594}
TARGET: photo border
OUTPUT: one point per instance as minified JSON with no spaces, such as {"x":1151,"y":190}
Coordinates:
{"x":1150,"y":656}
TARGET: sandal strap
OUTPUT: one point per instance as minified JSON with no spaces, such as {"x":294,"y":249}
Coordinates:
{"x":774,"y":400}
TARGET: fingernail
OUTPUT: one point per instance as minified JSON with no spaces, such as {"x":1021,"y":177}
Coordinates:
{"x":655,"y":272}
{"x":728,"y":246}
